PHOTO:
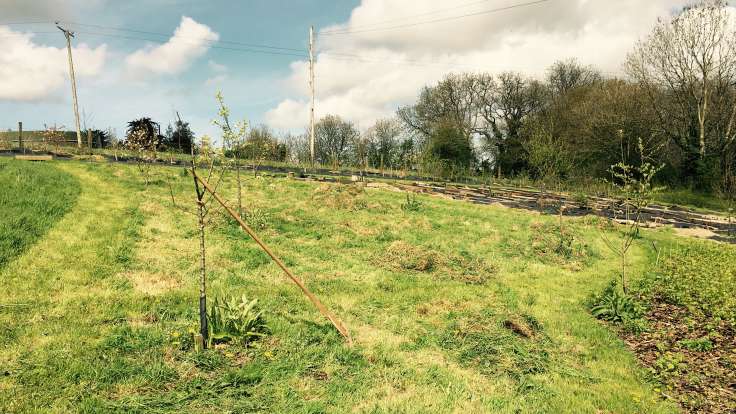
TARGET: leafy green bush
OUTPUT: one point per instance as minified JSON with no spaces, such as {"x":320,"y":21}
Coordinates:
{"x":613,"y":305}
{"x":698,"y":345}
{"x":411,"y":204}
{"x":233,"y":319}
{"x":257,"y":218}
{"x":581,"y":199}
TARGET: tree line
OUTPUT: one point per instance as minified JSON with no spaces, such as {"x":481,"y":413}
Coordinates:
{"x":675,"y":108}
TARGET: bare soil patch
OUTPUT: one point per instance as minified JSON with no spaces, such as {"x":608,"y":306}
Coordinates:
{"x":695,"y":360}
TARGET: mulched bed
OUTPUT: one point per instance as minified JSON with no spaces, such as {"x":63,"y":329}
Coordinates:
{"x":693,"y":358}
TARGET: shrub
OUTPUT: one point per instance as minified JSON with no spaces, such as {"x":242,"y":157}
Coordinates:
{"x":581,"y":199}
{"x":613,"y":305}
{"x":257,"y":218}
{"x":234,"y":319}
{"x":698,"y":345}
{"x":411,"y":204}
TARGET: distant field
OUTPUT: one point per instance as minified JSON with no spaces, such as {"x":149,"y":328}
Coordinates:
{"x":454,"y":307}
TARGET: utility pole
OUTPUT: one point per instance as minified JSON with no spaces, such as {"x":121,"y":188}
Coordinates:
{"x":179,"y":134}
{"x":69,"y":36}
{"x":311,"y":87}
{"x":20,"y":136}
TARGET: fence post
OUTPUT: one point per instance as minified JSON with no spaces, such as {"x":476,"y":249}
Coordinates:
{"x":20,"y":136}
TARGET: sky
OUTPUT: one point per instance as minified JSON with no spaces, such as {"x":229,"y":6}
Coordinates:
{"x":156,"y":57}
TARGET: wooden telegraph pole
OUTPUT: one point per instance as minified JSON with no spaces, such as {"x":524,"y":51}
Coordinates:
{"x":20,"y":136}
{"x":311,"y":87}
{"x":69,"y":36}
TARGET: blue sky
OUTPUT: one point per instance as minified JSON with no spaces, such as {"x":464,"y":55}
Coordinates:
{"x":252,"y":82}
{"x":362,"y":75}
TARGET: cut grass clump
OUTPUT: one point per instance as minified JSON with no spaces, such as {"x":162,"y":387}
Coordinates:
{"x":555,"y":245}
{"x":514,"y":346}
{"x":402,"y":255}
{"x":462,"y":267}
{"x":343,"y":197}
{"x":551,"y":246}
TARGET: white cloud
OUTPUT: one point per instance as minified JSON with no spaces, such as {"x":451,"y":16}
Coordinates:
{"x":190,"y":41}
{"x":219,"y":73}
{"x":215,"y":80}
{"x":30,"y":71}
{"x":216,"y":67}
{"x":393,"y":65}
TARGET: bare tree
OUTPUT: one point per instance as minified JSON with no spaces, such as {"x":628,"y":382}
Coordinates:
{"x":234,"y":138}
{"x":334,"y":136}
{"x":202,"y":155}
{"x":503,"y":105}
{"x":687,"y":66}
{"x":453,"y":99}
{"x":383,"y":143}
{"x":566,"y":75}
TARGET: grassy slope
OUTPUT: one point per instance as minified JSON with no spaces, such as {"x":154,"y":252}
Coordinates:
{"x":33,"y":197}
{"x":103,"y":320}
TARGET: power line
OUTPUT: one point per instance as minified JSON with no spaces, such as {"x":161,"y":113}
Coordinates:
{"x":337,"y":56}
{"x":166,"y":35}
{"x":169,"y":36}
{"x":412,"y":16}
{"x":26,"y":22}
{"x":443,"y":19}
{"x":251,"y":48}
{"x":26,"y":34}
{"x":211,"y":45}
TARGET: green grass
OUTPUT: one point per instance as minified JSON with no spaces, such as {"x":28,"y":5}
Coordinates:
{"x":693,"y":200}
{"x":110,"y":295}
{"x":33,"y":197}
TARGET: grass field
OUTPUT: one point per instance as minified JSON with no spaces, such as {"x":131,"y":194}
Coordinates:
{"x":453,"y":307}
{"x":32,"y":199}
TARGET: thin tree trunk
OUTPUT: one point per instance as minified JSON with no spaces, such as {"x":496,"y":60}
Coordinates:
{"x":240,"y":186}
{"x":623,"y":270}
{"x":202,"y":276}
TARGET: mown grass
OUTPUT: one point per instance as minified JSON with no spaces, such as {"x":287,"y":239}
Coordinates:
{"x":111,"y":294}
{"x":33,"y":197}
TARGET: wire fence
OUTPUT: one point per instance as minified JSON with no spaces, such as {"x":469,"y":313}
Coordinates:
{"x":20,"y":140}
